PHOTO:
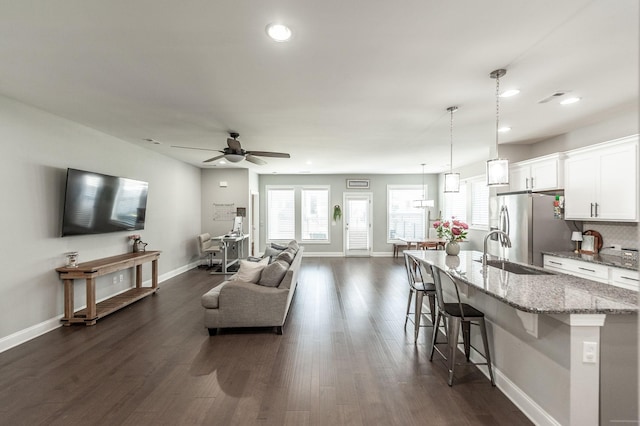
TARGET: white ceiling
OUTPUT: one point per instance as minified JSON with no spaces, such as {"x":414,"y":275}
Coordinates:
{"x":361,"y":88}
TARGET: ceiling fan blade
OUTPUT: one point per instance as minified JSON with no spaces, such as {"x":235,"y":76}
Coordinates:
{"x":255,"y":160}
{"x":214,"y":159}
{"x":270,"y":154}
{"x":191,"y":147}
{"x":234,"y":144}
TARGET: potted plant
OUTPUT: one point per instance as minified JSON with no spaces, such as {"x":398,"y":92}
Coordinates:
{"x":453,"y":231}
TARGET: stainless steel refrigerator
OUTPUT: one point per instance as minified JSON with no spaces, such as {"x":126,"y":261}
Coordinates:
{"x":529,"y":220}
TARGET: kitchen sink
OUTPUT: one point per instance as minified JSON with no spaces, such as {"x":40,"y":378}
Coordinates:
{"x":515,"y":268}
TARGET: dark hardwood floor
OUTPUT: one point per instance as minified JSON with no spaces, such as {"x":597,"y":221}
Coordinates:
{"x":344,"y":359}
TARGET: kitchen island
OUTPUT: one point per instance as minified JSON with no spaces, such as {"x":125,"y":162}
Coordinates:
{"x":564,"y":348}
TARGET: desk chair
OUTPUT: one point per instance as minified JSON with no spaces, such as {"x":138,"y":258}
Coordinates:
{"x":420,"y":284}
{"x":457,"y":315}
{"x":208,"y":247}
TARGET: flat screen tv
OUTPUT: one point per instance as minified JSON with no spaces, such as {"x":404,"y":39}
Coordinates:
{"x":96,"y":204}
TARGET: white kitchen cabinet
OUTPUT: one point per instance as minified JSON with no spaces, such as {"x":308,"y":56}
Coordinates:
{"x":601,"y":182}
{"x":612,"y":275}
{"x":538,"y":174}
{"x":578,"y":268}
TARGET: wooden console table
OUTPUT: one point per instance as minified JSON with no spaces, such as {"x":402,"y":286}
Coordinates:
{"x":89,"y":271}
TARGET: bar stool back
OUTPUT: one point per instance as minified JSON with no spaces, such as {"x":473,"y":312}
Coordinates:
{"x":457,"y":315}
{"x":420,"y":283}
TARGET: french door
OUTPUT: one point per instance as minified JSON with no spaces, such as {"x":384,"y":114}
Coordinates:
{"x":357,"y":224}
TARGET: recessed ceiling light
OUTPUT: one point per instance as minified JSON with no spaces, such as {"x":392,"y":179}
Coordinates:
{"x":569,"y":101}
{"x":278,"y":32}
{"x":504,"y":129}
{"x":509,"y":93}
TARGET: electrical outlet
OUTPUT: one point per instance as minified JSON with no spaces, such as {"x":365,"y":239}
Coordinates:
{"x":589,"y":352}
{"x":121,"y":277}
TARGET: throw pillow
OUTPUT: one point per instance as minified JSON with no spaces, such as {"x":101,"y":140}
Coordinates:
{"x":278,"y":246}
{"x":250,"y":271}
{"x":293,"y":244}
{"x":271,"y":252}
{"x":273,"y":274}
{"x":287,"y":256}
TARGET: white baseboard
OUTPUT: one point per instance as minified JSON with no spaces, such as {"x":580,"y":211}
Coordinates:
{"x":24,"y":335}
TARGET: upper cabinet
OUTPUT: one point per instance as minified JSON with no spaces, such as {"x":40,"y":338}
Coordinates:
{"x":538,"y":174}
{"x":601,"y":182}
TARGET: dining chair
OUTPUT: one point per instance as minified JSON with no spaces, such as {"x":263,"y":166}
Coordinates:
{"x":420,"y":284}
{"x":457,"y":315}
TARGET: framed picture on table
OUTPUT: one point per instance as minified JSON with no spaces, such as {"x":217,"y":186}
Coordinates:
{"x":588,"y":244}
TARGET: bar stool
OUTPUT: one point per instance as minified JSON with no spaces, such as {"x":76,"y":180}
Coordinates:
{"x":457,"y":315}
{"x":420,"y":284}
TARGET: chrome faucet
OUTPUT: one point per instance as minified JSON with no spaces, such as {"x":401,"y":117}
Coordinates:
{"x":506,"y":242}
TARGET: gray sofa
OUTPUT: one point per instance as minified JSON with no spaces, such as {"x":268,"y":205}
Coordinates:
{"x":237,"y":303}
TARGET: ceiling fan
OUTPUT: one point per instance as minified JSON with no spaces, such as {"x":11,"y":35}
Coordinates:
{"x":234,"y":152}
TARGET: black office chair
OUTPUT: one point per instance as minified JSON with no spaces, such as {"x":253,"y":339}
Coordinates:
{"x":420,"y":284}
{"x":457,"y":315}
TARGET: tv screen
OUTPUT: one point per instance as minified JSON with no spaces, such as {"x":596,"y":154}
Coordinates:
{"x":96,"y":204}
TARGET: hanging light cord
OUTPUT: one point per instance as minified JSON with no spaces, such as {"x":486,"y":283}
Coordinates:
{"x":497,"y":111}
{"x":451,"y":141}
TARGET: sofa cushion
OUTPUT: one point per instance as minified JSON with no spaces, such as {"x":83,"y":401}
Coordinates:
{"x":250,"y":271}
{"x":287,"y":256}
{"x":210,"y":299}
{"x":272,"y":274}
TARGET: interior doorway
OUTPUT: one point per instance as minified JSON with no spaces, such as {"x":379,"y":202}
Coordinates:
{"x":357,"y":224}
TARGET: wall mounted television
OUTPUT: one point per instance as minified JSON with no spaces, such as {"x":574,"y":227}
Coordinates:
{"x":97,"y":204}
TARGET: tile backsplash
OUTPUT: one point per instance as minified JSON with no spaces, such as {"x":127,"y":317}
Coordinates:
{"x":625,"y":234}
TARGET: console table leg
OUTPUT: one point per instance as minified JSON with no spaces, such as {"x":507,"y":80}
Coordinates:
{"x":154,"y":273}
{"x":68,"y":301}
{"x":138,"y":276}
{"x":91,"y":300}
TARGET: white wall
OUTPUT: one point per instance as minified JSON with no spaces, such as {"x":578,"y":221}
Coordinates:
{"x":337,"y":183}
{"x":36,"y":150}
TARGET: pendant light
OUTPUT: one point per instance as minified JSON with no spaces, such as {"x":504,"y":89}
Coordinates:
{"x":451,"y":180}
{"x":498,"y":168}
{"x":423,"y":203}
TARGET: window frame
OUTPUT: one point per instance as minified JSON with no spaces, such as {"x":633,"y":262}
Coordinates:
{"x":269,"y":188}
{"x":302,"y":189}
{"x":392,"y":187}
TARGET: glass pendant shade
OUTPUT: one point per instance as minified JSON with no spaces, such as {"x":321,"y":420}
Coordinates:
{"x":498,"y":168}
{"x":498,"y":172}
{"x":452,"y":182}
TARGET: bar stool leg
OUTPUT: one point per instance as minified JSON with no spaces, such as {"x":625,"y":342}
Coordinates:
{"x":466,"y":337}
{"x":454,"y":329}
{"x":406,"y":317}
{"x":418,"y":313}
{"x":487,"y":355}
{"x":434,"y":338}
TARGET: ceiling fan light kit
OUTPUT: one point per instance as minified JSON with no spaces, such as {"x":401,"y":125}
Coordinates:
{"x":451,"y":180}
{"x":497,"y":168}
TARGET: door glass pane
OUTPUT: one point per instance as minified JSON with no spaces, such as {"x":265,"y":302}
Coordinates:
{"x":358,"y":220}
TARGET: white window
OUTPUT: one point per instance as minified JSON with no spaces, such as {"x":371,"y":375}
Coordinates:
{"x":479,"y":203}
{"x":315,"y":214}
{"x":455,"y":204}
{"x":281,"y":222}
{"x":404,"y":220}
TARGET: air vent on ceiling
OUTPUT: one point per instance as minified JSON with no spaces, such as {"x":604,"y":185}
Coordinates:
{"x":550,"y":97}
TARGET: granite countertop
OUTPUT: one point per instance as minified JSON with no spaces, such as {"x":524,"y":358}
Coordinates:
{"x":603,"y":259}
{"x":552,"y":293}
